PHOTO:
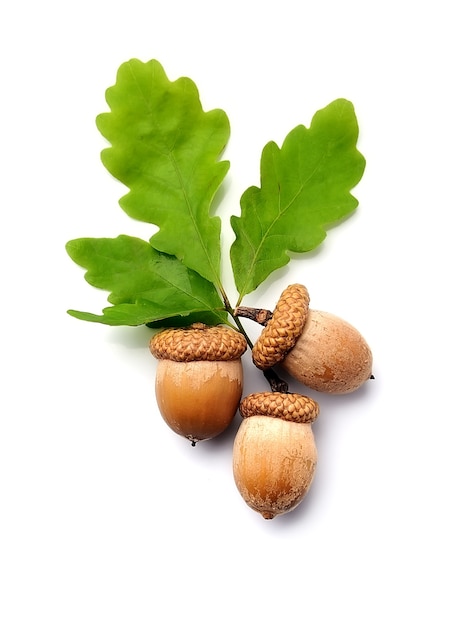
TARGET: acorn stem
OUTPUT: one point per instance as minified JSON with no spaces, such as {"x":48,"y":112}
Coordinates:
{"x":240,"y":327}
{"x":276,"y":383}
{"x":261,"y":316}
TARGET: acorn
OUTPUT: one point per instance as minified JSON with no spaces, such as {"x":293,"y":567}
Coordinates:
{"x":274,"y":453}
{"x":319,"y":349}
{"x":199,"y":378}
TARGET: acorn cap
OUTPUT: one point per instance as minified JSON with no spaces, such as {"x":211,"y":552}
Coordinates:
{"x":292,"y":407}
{"x":198,"y":342}
{"x":283,"y":329}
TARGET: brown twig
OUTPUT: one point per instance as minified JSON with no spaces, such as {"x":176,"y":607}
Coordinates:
{"x":276,"y":383}
{"x":261,"y":316}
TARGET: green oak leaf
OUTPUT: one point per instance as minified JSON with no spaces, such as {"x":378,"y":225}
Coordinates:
{"x":305,"y":188}
{"x":166,"y":150}
{"x":146,"y":285}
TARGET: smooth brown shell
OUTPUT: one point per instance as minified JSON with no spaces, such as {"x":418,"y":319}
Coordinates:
{"x":274,"y":463}
{"x":198,"y":399}
{"x":330,"y":356}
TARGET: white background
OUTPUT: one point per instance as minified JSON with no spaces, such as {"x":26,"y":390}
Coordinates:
{"x":107,"y":517}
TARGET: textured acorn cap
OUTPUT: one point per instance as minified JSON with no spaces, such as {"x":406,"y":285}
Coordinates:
{"x":198,"y":342}
{"x":292,"y":407}
{"x":283,"y":329}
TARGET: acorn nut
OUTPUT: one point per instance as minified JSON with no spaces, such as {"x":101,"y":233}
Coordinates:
{"x":199,"y":378}
{"x":320,"y":350}
{"x":274,"y":453}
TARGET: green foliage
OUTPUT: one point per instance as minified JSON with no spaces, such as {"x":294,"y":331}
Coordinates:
{"x":305,"y":188}
{"x":165,"y":149}
{"x":146,"y":285}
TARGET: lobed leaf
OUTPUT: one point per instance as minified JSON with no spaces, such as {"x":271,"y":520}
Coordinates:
{"x":146,"y":286}
{"x":305,"y":188}
{"x":166,"y":150}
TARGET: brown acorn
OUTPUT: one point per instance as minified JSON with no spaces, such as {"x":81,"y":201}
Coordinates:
{"x":320,"y":350}
{"x":274,"y":453}
{"x":199,"y":378}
